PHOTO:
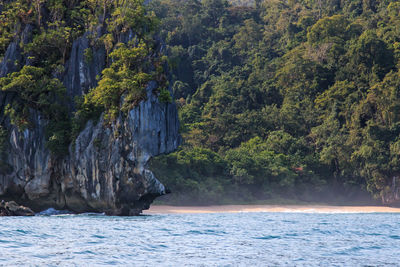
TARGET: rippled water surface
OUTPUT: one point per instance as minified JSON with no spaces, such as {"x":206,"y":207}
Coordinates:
{"x":224,"y":239}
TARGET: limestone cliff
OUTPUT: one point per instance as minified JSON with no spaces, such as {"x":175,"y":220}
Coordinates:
{"x":105,"y":169}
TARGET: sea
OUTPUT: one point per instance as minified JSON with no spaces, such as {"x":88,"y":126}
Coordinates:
{"x":207,"y":239}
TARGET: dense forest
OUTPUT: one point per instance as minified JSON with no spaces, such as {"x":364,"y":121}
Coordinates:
{"x":293,"y":99}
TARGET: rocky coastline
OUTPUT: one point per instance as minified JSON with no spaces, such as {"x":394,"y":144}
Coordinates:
{"x":106,"y":166}
{"x":11,"y":208}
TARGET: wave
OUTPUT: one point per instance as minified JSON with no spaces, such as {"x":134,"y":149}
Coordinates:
{"x":52,"y":211}
{"x":55,"y":212}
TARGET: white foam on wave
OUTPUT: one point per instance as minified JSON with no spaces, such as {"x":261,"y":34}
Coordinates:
{"x":65,"y":213}
{"x":54,"y":212}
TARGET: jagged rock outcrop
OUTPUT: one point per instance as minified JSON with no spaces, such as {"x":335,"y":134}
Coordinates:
{"x":13,"y":209}
{"x":108,"y":165}
{"x":81,"y":70}
{"x":105,"y":170}
{"x":13,"y":57}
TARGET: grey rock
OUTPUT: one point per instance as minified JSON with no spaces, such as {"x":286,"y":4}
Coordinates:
{"x":81,"y":72}
{"x":106,"y":168}
{"x":11,"y":59}
{"x":13,"y":209}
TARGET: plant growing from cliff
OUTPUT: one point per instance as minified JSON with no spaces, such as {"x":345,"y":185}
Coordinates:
{"x":34,"y":89}
{"x":52,"y":30}
{"x":165,"y":96}
{"x":131,"y":15}
{"x":126,"y":77}
{"x":122,"y":84}
{"x":52,"y":45}
{"x":88,"y":55}
{"x":54,"y":25}
{"x":12,"y":16}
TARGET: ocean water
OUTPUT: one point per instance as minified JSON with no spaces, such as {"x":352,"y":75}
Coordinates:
{"x":224,"y":239}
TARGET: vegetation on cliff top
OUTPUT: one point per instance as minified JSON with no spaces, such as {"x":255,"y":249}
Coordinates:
{"x":45,"y":31}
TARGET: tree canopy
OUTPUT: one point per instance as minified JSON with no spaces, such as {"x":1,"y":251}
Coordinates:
{"x":297,"y":98}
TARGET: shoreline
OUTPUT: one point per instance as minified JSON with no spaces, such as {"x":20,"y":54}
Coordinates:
{"x":167,"y":209}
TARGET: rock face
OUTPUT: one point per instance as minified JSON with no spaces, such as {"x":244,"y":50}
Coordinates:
{"x":81,"y":71}
{"x":105,"y":170}
{"x":13,"y":209}
{"x":391,"y":196}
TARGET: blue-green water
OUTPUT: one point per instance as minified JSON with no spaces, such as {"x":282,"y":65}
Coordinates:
{"x":225,"y":239}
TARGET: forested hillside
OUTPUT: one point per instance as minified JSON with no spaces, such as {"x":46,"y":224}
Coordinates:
{"x":296,"y":99}
{"x":290,"y":99}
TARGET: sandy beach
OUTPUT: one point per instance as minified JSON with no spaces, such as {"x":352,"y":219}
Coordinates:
{"x":164,"y":209}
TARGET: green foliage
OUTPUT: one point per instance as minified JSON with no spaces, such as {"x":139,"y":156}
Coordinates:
{"x":130,"y":15}
{"x":54,"y":26}
{"x":291,"y":94}
{"x":191,"y":175}
{"x":35,"y":90}
{"x":254,"y":163}
{"x":125,"y":77}
{"x":51,"y":46}
{"x":88,"y":54}
{"x":12,"y":15}
{"x":370,"y":56}
{"x":275,"y":97}
{"x":165,"y":96}
{"x":328,"y":29}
